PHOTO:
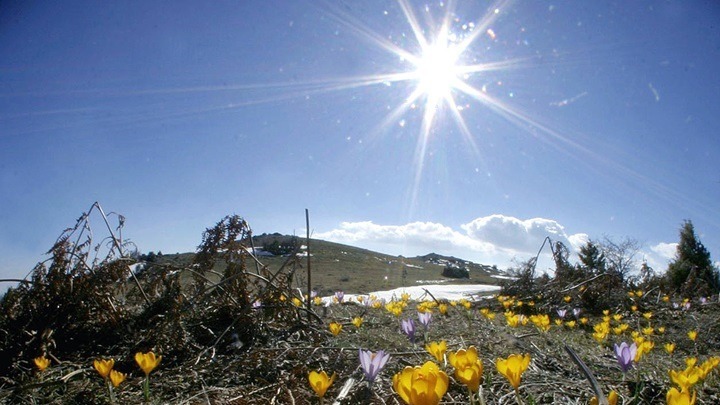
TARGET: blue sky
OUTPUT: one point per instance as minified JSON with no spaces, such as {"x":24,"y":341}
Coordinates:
{"x":566,"y":119}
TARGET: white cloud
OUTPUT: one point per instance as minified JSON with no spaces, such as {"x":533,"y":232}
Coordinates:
{"x":665,"y":250}
{"x":659,"y":255}
{"x":520,"y":235}
{"x":495,"y":239}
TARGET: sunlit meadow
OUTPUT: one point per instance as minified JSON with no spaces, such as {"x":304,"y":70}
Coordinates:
{"x":226,"y":329}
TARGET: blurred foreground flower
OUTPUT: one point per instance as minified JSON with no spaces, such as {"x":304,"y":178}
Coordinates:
{"x":372,"y":363}
{"x":684,"y":397}
{"x":421,"y":385}
{"x":686,"y":379}
{"x":320,"y":382}
{"x":612,"y":399}
{"x":41,"y":363}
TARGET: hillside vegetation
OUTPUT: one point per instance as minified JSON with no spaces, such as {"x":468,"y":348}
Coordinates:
{"x":346,"y":268}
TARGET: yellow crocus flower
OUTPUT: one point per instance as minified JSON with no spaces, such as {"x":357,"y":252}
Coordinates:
{"x":147,"y":361}
{"x":443,"y":309}
{"x":669,"y":348}
{"x":612,"y":399}
{"x":41,"y":362}
{"x":357,"y":321}
{"x":103,"y":367}
{"x":643,"y":348}
{"x":437,"y":350}
{"x":685,"y":379}
{"x":421,"y":385}
{"x":513,"y":368}
{"x":117,"y":377}
{"x":468,"y":367}
{"x":684,"y":397}
{"x":335,"y":328}
{"x":320,"y":382}
{"x":692,"y":335}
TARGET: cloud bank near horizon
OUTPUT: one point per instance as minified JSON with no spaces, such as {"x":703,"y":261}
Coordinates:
{"x":495,"y":239}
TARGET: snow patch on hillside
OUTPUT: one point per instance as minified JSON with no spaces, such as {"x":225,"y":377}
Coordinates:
{"x":445,"y":291}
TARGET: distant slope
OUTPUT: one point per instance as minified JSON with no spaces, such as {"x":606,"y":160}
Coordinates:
{"x":355,"y":270}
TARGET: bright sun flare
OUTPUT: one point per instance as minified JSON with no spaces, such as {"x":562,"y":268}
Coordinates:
{"x":437,"y":70}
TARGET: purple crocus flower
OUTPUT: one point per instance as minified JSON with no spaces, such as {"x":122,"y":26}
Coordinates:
{"x":561,"y":313}
{"x":424,"y":318}
{"x":408,"y":328}
{"x":257,"y":304}
{"x":339,"y":295}
{"x":372,"y":363}
{"x":625,"y":355}
{"x":577,"y":312}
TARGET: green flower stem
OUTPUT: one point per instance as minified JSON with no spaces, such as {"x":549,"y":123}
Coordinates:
{"x":471,"y":395}
{"x":110,"y":391}
{"x":147,"y":388}
{"x":517,"y":396}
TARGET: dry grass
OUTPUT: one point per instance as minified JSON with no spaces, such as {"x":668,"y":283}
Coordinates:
{"x":276,"y":371}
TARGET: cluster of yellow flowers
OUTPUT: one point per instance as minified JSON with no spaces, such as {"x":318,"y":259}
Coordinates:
{"x":686,"y":379}
{"x":105,"y":369}
{"x":514,"y":320}
{"x":146,"y":361}
{"x":542,"y":322}
{"x":396,"y":307}
{"x":428,"y":383}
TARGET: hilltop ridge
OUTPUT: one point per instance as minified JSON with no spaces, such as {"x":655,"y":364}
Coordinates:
{"x":336,"y":266}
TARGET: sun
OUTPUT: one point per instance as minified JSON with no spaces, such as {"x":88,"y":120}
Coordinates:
{"x":437,"y":72}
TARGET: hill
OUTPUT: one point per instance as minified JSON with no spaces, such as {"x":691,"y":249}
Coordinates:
{"x":351,"y":269}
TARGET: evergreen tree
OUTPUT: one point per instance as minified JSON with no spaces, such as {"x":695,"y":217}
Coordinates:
{"x":692,"y":271}
{"x":592,"y":258}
